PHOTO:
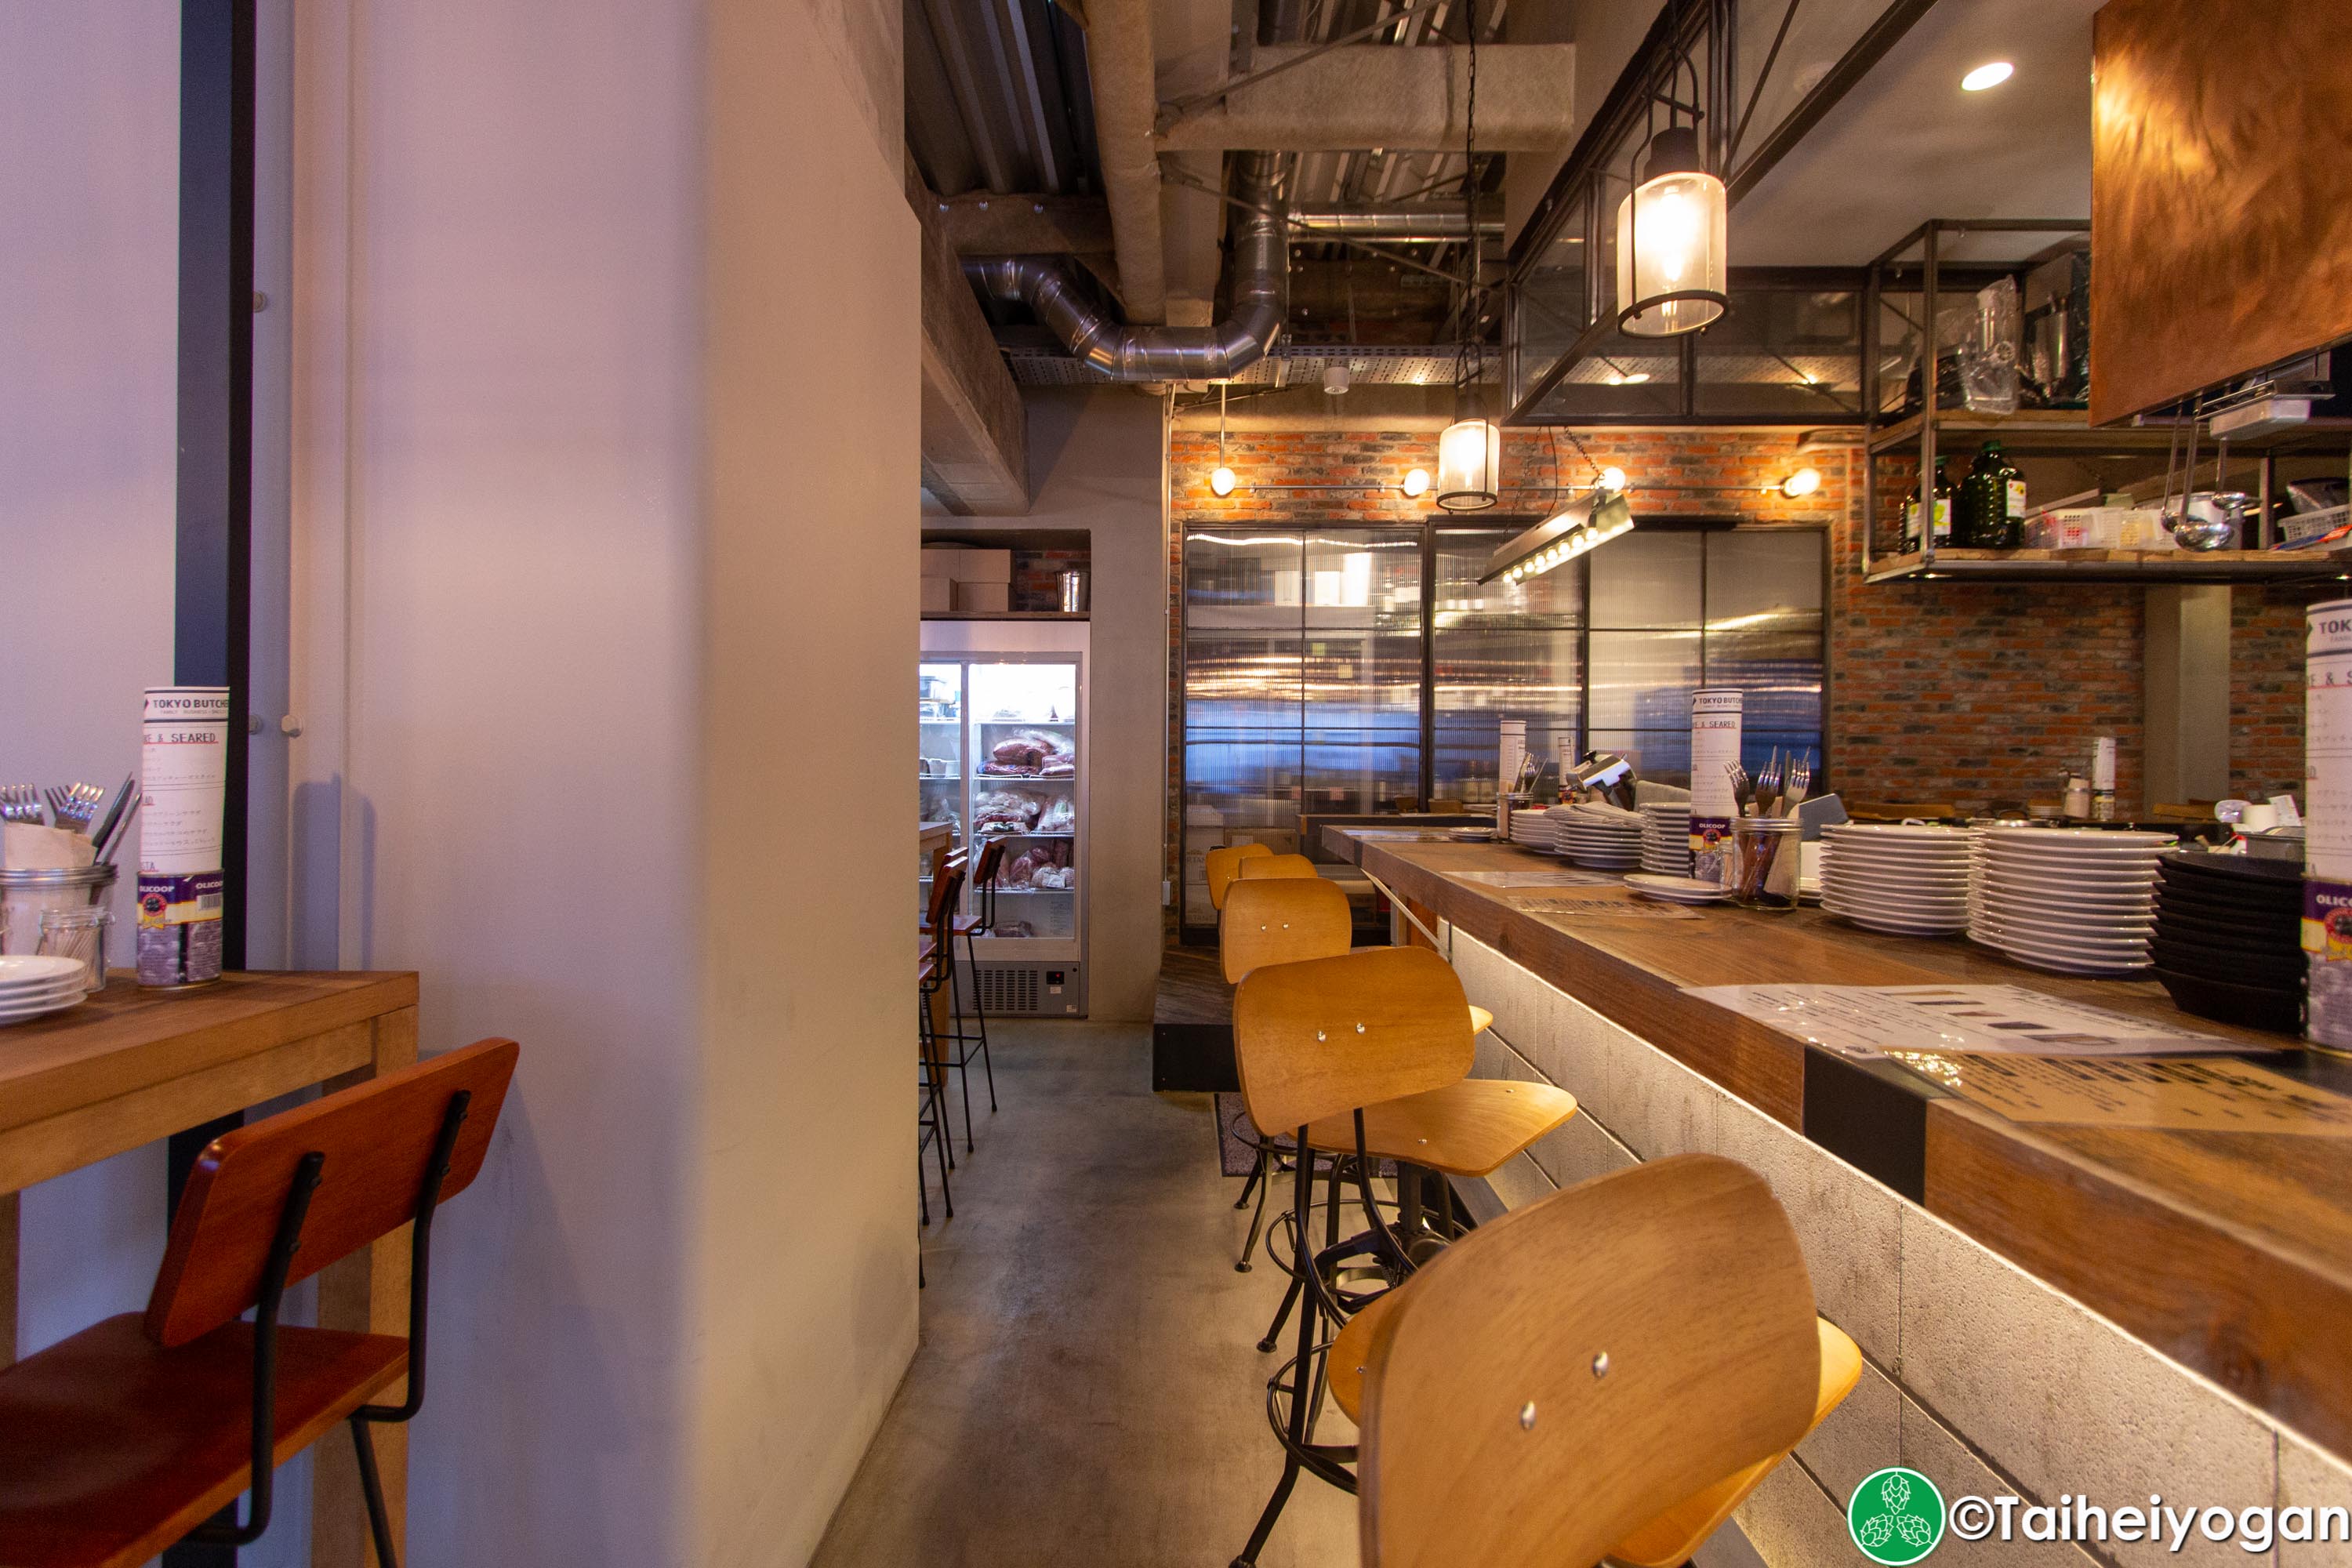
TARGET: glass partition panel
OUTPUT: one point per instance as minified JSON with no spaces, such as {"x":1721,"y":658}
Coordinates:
{"x":1781,"y":352}
{"x":1500,"y":651}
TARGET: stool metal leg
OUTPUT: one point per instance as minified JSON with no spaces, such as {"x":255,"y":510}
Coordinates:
{"x":962,"y":1049}
{"x":1302,"y":1369}
{"x":372,"y":1489}
{"x":1264,"y":1178}
{"x":980,"y":1021}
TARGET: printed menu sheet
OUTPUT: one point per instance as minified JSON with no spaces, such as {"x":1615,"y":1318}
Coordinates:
{"x":1613,"y":901}
{"x":1999,"y":1020}
{"x":2200,"y":1094}
{"x":1560,"y":877}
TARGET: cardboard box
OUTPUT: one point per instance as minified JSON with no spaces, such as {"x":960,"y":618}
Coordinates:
{"x":938,"y":594}
{"x":982,"y":566}
{"x":940,"y":561}
{"x":989,"y":598}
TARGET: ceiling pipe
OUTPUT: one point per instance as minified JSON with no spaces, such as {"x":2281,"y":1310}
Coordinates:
{"x":1120,"y":70}
{"x":1149,"y":353}
{"x":1408,"y":225}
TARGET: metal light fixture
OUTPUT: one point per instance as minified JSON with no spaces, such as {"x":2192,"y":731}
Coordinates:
{"x":1221,"y":480}
{"x":1803,"y":482}
{"x":1671,"y":267}
{"x":1416,"y":483}
{"x":1582,"y":525}
{"x":1469,"y":455}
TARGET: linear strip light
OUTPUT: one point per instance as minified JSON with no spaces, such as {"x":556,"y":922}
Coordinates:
{"x":1582,"y":525}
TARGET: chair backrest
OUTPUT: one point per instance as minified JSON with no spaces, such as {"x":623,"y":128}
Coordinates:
{"x":1330,"y":1034}
{"x":992,"y":860}
{"x":1267,"y":866}
{"x":1493,"y":1431}
{"x":947,"y":882}
{"x":378,"y":1138}
{"x":1282,"y":921}
{"x":1220,"y":864}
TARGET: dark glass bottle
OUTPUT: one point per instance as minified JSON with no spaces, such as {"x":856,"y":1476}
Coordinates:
{"x":1911,"y":543}
{"x":1992,"y":502}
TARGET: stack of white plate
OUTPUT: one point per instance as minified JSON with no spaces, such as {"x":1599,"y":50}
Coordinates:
{"x":2081,"y":900}
{"x":1606,"y":838}
{"x":32,"y":986}
{"x":1913,"y":881}
{"x":1533,"y":829}
{"x":1665,"y":838}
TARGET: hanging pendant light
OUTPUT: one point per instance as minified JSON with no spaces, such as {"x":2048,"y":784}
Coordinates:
{"x":1221,"y":480}
{"x":1469,"y":455}
{"x":1470,"y":452}
{"x":1672,"y":269}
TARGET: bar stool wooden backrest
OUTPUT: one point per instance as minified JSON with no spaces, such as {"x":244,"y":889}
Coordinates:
{"x":1282,"y":920}
{"x":1222,"y":864}
{"x":378,"y":1142}
{"x":1269,"y":866}
{"x":1562,"y":1376}
{"x":948,"y":867}
{"x":1328,"y":1036}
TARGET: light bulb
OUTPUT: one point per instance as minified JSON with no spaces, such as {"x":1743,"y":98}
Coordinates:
{"x":1416,"y":482}
{"x":1222,"y":481}
{"x":1613,"y":478}
{"x":1992,"y":73}
{"x":1803,"y":482}
{"x":1629,"y":378}
{"x":1469,"y":453}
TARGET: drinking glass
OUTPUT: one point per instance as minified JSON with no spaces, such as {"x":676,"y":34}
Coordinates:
{"x":79,"y":935}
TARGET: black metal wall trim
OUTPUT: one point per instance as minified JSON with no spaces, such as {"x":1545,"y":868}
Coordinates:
{"x":212,"y":602}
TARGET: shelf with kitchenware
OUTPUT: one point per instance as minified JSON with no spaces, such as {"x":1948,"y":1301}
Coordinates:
{"x":2157,"y":566}
{"x":2068,"y":432}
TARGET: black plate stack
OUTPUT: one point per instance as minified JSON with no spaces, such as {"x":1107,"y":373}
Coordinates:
{"x":2229,"y":938}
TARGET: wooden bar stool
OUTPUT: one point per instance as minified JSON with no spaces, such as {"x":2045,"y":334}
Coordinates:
{"x":1331,"y":1044}
{"x":1601,"y":1377}
{"x":934,"y":1025}
{"x":1220,"y":864}
{"x":130,"y":1436}
{"x":951,"y":1044}
{"x":1259,"y":867}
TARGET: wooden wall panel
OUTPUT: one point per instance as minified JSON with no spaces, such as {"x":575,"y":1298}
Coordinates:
{"x":2220,"y":193}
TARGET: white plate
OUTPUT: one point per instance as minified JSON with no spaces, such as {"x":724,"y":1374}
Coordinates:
{"x":2088,"y":875}
{"x":2069,"y":862}
{"x":2068,"y":964}
{"x":1678,"y":890}
{"x":1891,"y":924}
{"x":38,"y":997}
{"x":2092,"y":836}
{"x":1889,"y":832}
{"x":25,"y":1015}
{"x":2092,"y":901}
{"x":1936,"y":876}
{"x":2060,"y":927}
{"x":1954,"y":915}
{"x":18,"y":970}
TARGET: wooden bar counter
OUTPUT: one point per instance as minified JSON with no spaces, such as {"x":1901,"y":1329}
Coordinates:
{"x":2229,"y":1252}
{"x":129,"y":1067}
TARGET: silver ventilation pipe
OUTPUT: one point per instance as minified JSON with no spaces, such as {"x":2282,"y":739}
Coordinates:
{"x":1050,"y":287}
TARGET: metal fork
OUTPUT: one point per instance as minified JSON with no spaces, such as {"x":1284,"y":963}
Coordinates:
{"x":1768,"y":785}
{"x":74,"y":805}
{"x":22,"y":803}
{"x":1801,"y":779}
{"x":1742,"y":789}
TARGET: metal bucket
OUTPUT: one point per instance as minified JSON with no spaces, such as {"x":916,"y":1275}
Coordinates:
{"x":25,"y":896}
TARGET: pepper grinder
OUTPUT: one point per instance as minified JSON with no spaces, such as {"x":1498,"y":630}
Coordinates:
{"x":2103,"y":779}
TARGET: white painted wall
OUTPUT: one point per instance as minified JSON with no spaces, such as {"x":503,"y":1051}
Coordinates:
{"x":605,"y":434}
{"x":90,"y":147}
{"x":1097,"y":458}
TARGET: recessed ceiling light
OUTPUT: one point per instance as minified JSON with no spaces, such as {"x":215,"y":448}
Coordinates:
{"x":1990,"y":74}
{"x":1634,"y":378}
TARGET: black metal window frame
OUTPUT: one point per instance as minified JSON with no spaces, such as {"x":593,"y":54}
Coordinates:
{"x":1431,"y":535}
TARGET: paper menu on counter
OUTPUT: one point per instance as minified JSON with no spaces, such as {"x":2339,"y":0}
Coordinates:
{"x":2003,"y":1020}
{"x":1551,"y":879}
{"x":1557,"y":906}
{"x":2180,"y":1094}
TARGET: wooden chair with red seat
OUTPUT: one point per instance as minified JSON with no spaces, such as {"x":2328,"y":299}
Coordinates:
{"x":133,"y":1434}
{"x":1601,"y":1377}
{"x":1366,"y":1055}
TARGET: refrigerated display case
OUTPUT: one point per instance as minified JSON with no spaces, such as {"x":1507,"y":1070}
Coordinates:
{"x":1001,"y":720}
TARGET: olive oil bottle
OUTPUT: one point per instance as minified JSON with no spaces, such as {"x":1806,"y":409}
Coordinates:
{"x":1991,"y":503}
{"x":1912,"y":541}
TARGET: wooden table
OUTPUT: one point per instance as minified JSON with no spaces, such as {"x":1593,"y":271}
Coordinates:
{"x":130,"y":1068}
{"x":2231,"y":1251}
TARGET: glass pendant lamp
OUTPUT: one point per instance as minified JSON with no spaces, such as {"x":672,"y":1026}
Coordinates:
{"x":1469,"y":457}
{"x":1672,"y":264}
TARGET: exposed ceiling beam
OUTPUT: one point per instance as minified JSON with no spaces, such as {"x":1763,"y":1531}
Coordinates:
{"x":1404,"y":100}
{"x":1119,"y":64}
{"x":975,"y":432}
{"x":981,"y":224}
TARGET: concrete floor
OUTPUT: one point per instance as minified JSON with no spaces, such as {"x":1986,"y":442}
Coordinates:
{"x":1088,"y":1391}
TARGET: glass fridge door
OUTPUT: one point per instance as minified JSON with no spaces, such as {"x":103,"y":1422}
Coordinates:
{"x":940,"y":760}
{"x":1026,"y":754}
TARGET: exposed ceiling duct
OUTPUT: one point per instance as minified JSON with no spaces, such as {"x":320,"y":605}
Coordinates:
{"x":1126,"y":102}
{"x":1398,"y":225}
{"x":1052,"y":290}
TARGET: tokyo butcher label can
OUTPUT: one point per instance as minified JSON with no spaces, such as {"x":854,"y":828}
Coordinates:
{"x":184,"y":790}
{"x":1713,"y":747}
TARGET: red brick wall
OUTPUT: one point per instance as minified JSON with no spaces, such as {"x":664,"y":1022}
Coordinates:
{"x":1938,"y":691}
